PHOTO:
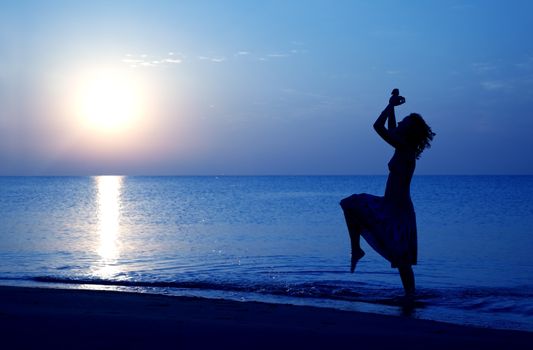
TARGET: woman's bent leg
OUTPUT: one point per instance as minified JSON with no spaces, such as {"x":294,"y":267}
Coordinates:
{"x":408,"y":279}
{"x":355,"y":241}
{"x":354,"y":230}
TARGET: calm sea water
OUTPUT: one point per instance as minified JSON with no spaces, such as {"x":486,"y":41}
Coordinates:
{"x":273,"y":239}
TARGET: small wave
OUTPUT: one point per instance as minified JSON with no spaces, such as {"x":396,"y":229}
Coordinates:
{"x":128,"y":283}
{"x":487,"y":300}
{"x":517,"y":300}
{"x":366,"y":294}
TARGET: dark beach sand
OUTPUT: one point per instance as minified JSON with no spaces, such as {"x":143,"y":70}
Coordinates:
{"x":36,"y":318}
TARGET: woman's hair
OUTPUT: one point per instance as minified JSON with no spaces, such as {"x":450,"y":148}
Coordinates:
{"x":419,"y":134}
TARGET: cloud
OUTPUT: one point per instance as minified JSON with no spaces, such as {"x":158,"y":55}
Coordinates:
{"x":131,"y":61}
{"x":393,"y":72}
{"x":483,"y":67}
{"x":494,"y":85}
{"x":144,"y":60}
{"x":212,"y":59}
{"x":172,"y":60}
{"x":525,"y":64}
{"x":298,"y":49}
{"x":278,"y":55}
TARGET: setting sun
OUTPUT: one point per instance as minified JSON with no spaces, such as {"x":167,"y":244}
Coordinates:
{"x":109,"y":101}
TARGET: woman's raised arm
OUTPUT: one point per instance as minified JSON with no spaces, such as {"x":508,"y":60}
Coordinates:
{"x":379,"y":125}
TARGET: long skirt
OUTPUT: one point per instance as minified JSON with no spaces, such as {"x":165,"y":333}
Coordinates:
{"x":389,"y":228}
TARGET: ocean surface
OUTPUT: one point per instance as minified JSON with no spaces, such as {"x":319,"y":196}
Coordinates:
{"x":273,"y":239}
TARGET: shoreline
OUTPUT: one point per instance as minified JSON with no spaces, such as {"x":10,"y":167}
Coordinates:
{"x":67,"y":318}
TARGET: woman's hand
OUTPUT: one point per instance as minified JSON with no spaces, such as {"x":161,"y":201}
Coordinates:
{"x":396,"y":99}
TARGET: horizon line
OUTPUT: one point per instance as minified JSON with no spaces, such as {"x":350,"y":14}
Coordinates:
{"x":247,"y":175}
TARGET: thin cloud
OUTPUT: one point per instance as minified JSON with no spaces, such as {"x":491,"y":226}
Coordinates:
{"x":212,"y":59}
{"x":132,"y":61}
{"x":494,"y":85}
{"x":172,"y":60}
{"x":483,"y":67}
{"x":147,"y":64}
{"x":526,"y":64}
{"x":277,"y":55}
{"x":393,"y":72}
{"x":282,"y":54}
{"x":144,"y":60}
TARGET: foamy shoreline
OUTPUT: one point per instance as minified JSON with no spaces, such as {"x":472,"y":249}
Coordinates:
{"x":59,"y":318}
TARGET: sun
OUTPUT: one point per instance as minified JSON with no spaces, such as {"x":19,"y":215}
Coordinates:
{"x":109,"y":101}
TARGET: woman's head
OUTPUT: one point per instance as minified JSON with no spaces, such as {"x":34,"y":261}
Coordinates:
{"x":417,"y":133}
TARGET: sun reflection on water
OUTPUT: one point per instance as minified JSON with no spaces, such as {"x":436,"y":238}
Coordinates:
{"x":108,"y":202}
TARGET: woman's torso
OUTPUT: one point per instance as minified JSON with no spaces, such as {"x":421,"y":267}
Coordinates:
{"x":401,"y":169}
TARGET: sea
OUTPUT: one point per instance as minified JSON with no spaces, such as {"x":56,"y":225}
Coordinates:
{"x":275,"y":239}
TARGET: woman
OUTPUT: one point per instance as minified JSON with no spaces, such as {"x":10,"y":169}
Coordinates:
{"x":388,"y":223}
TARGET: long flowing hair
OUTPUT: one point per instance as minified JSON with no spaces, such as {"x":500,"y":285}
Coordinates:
{"x":419,"y":134}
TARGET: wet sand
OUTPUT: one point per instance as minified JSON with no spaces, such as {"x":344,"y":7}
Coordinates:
{"x":32,"y":318}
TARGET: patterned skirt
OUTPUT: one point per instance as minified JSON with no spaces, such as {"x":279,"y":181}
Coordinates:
{"x":389,"y":228}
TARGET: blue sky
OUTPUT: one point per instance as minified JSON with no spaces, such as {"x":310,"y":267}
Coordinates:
{"x":270,"y":87}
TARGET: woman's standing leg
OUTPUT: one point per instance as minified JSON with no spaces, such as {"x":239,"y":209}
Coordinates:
{"x":408,"y":279}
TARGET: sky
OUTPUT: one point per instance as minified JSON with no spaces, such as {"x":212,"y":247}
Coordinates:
{"x":261,"y":87}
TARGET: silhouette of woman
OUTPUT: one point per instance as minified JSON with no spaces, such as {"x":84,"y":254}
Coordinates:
{"x":388,"y":223}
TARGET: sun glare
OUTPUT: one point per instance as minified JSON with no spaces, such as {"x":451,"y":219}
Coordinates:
{"x":109,"y":101}
{"x":108,"y":200}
